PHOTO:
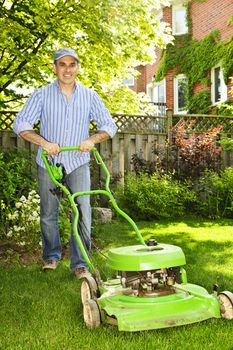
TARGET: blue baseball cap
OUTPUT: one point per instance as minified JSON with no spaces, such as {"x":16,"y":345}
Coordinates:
{"x":65,"y":52}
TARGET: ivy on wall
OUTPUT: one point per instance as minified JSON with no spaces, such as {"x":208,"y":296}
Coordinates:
{"x":195,"y":58}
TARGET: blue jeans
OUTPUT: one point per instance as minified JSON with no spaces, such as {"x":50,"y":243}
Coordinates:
{"x":78,"y":181}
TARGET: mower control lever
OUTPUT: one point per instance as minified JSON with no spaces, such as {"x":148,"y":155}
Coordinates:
{"x":151,"y":242}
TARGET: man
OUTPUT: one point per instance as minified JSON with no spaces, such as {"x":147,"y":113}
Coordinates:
{"x":65,"y":109}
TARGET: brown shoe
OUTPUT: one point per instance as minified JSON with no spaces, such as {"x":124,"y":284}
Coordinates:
{"x":81,"y":272}
{"x":50,"y":265}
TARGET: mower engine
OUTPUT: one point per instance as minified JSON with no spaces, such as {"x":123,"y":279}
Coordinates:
{"x":151,"y":283}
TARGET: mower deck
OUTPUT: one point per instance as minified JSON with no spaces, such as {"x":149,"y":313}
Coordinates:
{"x":188,"y":304}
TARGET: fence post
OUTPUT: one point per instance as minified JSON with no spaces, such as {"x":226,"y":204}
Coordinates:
{"x":169,"y":125}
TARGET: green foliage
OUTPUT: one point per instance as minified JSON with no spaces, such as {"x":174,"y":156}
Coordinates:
{"x":23,"y":222}
{"x":215,"y":193}
{"x":149,"y":197}
{"x":193,"y":55}
{"x":194,"y":59}
{"x":226,"y":143}
{"x":17,"y":178}
{"x":109,"y":37}
{"x":225,"y":109}
{"x":64,"y":223}
{"x":199,"y":103}
{"x":123,"y":100}
{"x":161,"y":196}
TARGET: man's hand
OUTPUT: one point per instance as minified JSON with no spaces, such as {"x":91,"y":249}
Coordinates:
{"x":86,"y":145}
{"x":30,"y":135}
{"x":51,"y":148}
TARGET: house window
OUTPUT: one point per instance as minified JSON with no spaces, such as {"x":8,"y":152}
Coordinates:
{"x":180,"y":92}
{"x":128,"y":82}
{"x":218,"y":86}
{"x":179,"y":23}
{"x":156,"y":92}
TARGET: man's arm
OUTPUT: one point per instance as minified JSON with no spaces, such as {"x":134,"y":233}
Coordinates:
{"x":33,"y":137}
{"x":88,"y":144}
{"x":26,"y":118}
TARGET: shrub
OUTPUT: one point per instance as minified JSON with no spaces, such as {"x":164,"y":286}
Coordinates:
{"x":150,"y":197}
{"x":17,"y":178}
{"x":197,"y":151}
{"x":225,"y":108}
{"x":19,"y":201}
{"x":24,"y":223}
{"x":187,"y":157}
{"x":215,"y":194}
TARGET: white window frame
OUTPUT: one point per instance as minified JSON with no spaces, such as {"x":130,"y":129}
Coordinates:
{"x":154,"y":86}
{"x":223,"y":86}
{"x":128,"y":82}
{"x":176,"y":80}
{"x":176,"y":8}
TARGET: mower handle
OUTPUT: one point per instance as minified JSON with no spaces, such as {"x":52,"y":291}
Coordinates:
{"x":107,"y":192}
{"x":97,"y":156}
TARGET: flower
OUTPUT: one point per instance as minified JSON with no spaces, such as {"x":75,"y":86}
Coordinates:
{"x":9,"y":233}
{"x":34,"y":200}
{"x":25,"y":221}
{"x":23,"y":199}
{"x":15,"y":215}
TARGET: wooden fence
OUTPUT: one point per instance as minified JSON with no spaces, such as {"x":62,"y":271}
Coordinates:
{"x":136,"y":134}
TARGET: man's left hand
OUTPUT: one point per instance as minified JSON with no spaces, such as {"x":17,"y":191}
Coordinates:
{"x":86,"y":145}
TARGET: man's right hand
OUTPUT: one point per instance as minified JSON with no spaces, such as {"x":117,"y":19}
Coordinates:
{"x":52,"y":149}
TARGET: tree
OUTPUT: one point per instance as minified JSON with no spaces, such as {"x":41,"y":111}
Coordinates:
{"x":109,"y":37}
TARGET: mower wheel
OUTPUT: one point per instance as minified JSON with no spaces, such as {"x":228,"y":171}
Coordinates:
{"x":89,"y":289}
{"x":226,"y":304}
{"x":91,"y":314}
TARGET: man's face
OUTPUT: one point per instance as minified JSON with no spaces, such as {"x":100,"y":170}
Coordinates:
{"x":66,"y":69}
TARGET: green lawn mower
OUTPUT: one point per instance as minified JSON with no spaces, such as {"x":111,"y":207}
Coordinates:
{"x":150,"y":288}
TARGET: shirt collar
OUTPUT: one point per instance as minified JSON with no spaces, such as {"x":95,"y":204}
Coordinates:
{"x":58,"y":87}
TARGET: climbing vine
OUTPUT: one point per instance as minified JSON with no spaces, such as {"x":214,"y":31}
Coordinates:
{"x":195,"y":58}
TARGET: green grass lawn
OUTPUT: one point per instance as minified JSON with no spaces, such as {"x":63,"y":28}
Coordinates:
{"x":43,"y":310}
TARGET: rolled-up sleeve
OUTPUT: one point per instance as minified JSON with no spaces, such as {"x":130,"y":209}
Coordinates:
{"x":30,"y":113}
{"x":101,"y":115}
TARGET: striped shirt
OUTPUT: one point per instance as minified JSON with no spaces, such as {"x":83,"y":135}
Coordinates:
{"x":63,"y":122}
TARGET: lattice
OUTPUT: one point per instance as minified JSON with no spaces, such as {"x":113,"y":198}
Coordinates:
{"x":200,"y":123}
{"x":140,"y":123}
{"x":6,"y":120}
{"x":147,"y":123}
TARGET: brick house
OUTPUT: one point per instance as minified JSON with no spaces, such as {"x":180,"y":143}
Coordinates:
{"x":194,"y":19}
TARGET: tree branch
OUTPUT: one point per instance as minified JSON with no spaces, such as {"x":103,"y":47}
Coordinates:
{"x":2,"y":54}
{"x":4,"y":71}
{"x":23,"y":63}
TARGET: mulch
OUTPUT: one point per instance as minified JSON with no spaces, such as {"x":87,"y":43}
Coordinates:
{"x":12,"y":253}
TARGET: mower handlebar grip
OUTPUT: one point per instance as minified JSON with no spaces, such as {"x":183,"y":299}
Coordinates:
{"x":69,"y":148}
